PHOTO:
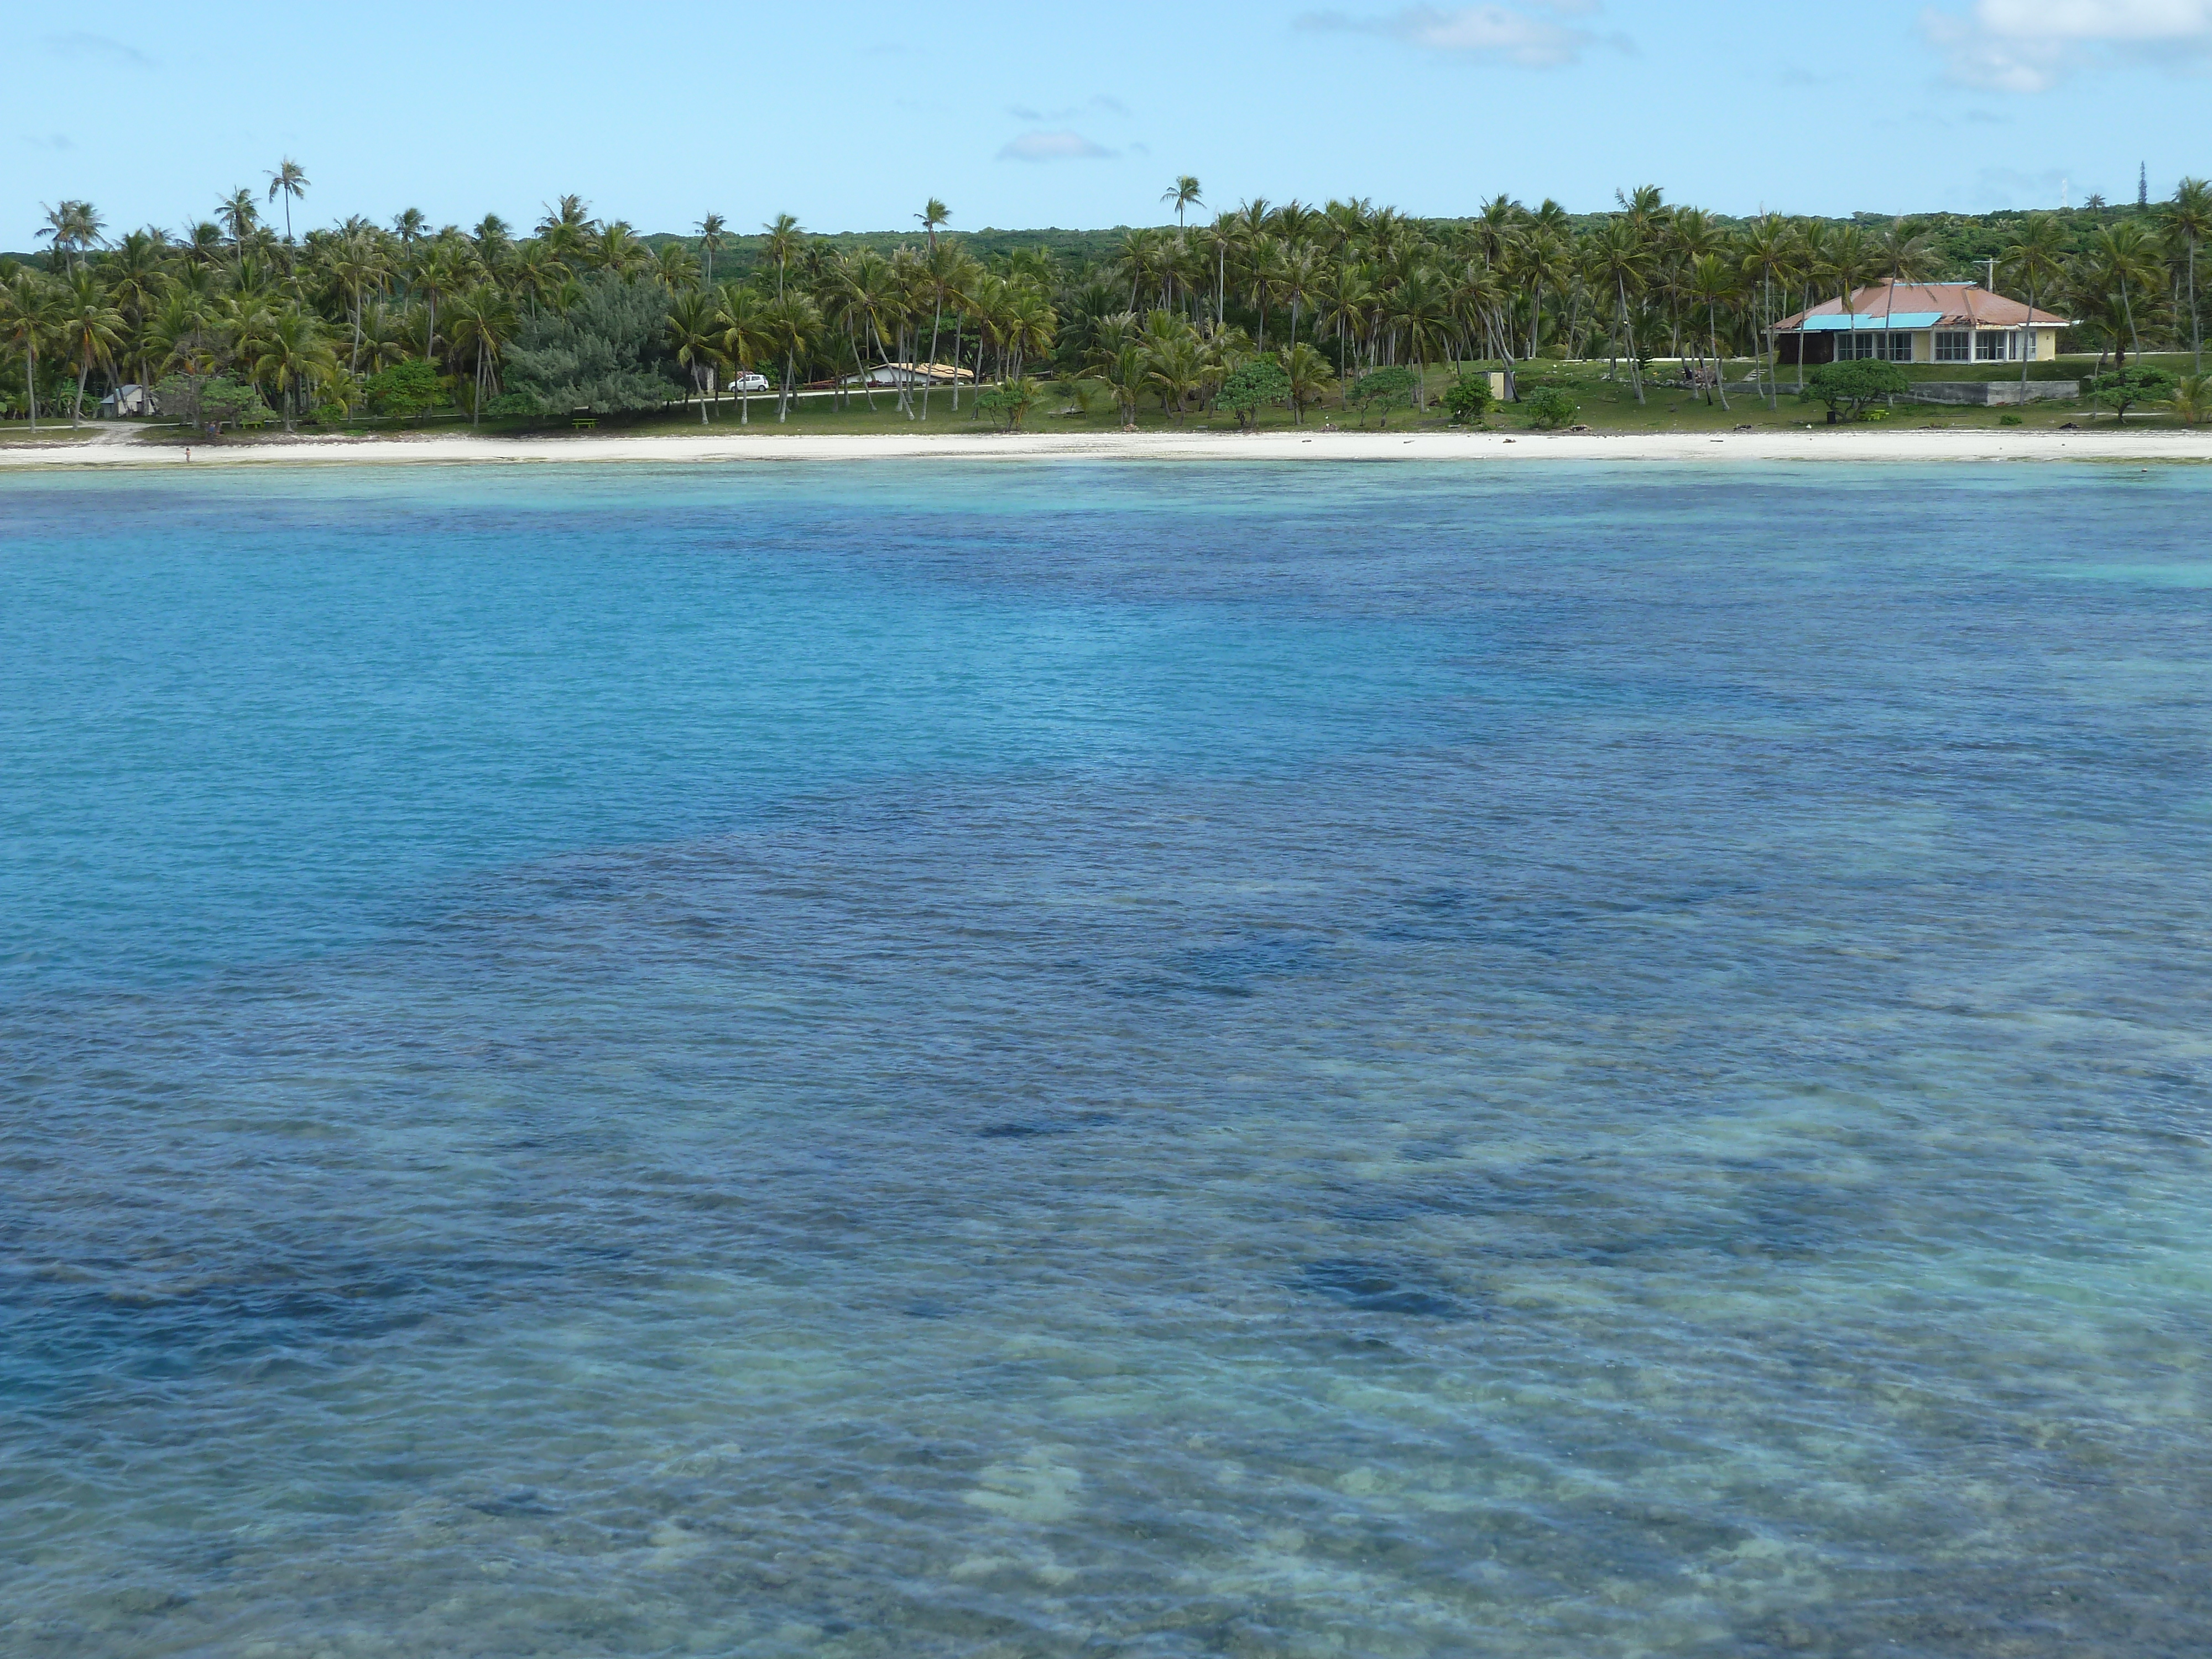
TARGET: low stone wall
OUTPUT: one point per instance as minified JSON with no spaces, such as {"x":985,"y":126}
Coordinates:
{"x":1985,"y":393}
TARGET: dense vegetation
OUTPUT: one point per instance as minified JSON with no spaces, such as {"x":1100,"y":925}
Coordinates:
{"x":238,"y":320}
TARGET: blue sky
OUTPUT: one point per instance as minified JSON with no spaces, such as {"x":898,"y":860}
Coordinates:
{"x":850,"y":115}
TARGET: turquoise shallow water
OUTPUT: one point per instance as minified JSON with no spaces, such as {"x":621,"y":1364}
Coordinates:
{"x":1106,"y":1059}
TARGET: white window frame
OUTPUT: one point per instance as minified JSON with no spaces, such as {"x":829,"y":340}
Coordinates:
{"x":1955,"y":345}
{"x":1990,"y":345}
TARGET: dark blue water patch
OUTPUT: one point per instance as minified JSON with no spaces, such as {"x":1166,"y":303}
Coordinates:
{"x":1378,"y":1287}
{"x":1036,"y":1128}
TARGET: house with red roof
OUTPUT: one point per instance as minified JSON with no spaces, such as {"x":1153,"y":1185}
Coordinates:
{"x":1920,"y":323}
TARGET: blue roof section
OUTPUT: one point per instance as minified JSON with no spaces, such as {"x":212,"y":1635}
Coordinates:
{"x":1837,"y":323}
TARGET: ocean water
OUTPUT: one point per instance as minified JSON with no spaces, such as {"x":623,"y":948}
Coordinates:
{"x":1106,"y":1059}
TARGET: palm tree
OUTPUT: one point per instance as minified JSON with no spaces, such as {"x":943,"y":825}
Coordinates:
{"x":1620,"y":258}
{"x":88,"y":329}
{"x":739,"y":315}
{"x":1713,"y":281}
{"x":293,"y":352}
{"x":714,"y":237}
{"x":238,"y":216}
{"x":2123,"y":258}
{"x":1307,"y":372}
{"x":2037,"y":259}
{"x":933,"y":213}
{"x":694,"y":338}
{"x":74,"y":227}
{"x":1903,"y":253}
{"x":942,"y":270}
{"x":1767,"y":253}
{"x":2189,"y":221}
{"x":483,"y":319}
{"x":1183,"y":193}
{"x":27,"y":321}
{"x":788,"y":321}
{"x":289,"y":182}
{"x":782,"y":239}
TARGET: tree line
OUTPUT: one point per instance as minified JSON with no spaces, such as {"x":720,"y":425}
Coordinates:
{"x":235,"y":317}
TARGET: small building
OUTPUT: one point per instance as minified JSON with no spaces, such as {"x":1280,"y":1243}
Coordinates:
{"x":1920,"y":323}
{"x":132,"y":399}
{"x":896,"y":375}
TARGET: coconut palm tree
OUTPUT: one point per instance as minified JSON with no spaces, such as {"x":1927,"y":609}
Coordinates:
{"x":238,"y":216}
{"x":1183,"y":193}
{"x":740,"y":315}
{"x":88,"y":328}
{"x":789,"y":321}
{"x":1902,"y":254}
{"x":714,"y":236}
{"x":1307,"y":372}
{"x":1619,"y":259}
{"x":481,"y":320}
{"x":1767,"y":251}
{"x":781,"y":240}
{"x":2188,"y":223}
{"x":292,"y":352}
{"x":694,"y":338}
{"x":289,"y":182}
{"x":2037,"y":260}
{"x":1713,"y":282}
{"x":74,"y":227}
{"x":2123,"y":259}
{"x":26,"y":322}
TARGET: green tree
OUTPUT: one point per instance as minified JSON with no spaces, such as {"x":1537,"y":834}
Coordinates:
{"x":1549,"y":407}
{"x":295,"y":354}
{"x":1011,"y":399}
{"x":26,"y":322}
{"x":2036,"y":258}
{"x":607,"y":354}
{"x":714,"y":237}
{"x":695,"y":339}
{"x":1253,"y":385}
{"x":740,"y":314}
{"x":290,"y":183}
{"x":1848,"y":388}
{"x":406,"y":389}
{"x":2124,"y":388}
{"x":2189,"y":224}
{"x":1466,"y":400}
{"x":89,"y":329}
{"x":1183,"y":193}
{"x":1382,"y":389}
{"x":2191,"y":401}
{"x":1306,"y":372}
{"x":481,"y":321}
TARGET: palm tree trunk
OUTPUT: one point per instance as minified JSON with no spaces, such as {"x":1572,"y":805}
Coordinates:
{"x":1713,"y":329}
{"x":31,"y":386}
{"x":936,"y":317}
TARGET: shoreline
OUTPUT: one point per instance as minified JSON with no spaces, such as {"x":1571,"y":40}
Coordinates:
{"x":125,"y":449}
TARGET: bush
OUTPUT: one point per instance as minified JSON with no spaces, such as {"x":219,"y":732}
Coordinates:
{"x":2008,"y":420}
{"x":405,"y":389}
{"x":1848,"y":388}
{"x":1384,"y":389}
{"x":1252,"y":385}
{"x":1011,"y":401}
{"x":1467,"y":399}
{"x":1549,"y":408}
{"x":211,"y":401}
{"x":2124,"y":388}
{"x":2191,"y":401}
{"x":511,"y":403}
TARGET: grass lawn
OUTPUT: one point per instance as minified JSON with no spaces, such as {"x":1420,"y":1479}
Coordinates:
{"x":1605,"y":405}
{"x":18,"y":434}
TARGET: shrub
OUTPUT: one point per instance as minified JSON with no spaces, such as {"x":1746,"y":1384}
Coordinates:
{"x":1252,"y":385}
{"x":608,"y":354}
{"x":1467,"y":399}
{"x":1848,"y":388}
{"x":511,"y":403}
{"x":2191,"y":401}
{"x":1011,"y":401}
{"x":1384,"y":389}
{"x":1549,"y":408}
{"x":406,"y":389}
{"x":2125,"y":388}
{"x":2008,"y":420}
{"x":211,"y":401}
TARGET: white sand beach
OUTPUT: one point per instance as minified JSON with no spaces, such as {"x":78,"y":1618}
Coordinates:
{"x":125,"y":446}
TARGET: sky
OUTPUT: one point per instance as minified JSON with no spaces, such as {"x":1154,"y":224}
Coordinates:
{"x":851,"y":114}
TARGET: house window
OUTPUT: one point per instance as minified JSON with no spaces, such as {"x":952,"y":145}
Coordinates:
{"x":1989,"y":346}
{"x":1900,"y":348}
{"x":1852,"y":346}
{"x":1952,"y":346}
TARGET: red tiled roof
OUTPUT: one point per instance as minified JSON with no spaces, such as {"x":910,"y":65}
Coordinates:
{"x":1961,"y":305}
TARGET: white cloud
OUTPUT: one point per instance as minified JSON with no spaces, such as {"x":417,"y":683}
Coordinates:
{"x":1054,"y":147}
{"x":1501,"y":34}
{"x":2027,"y":45}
